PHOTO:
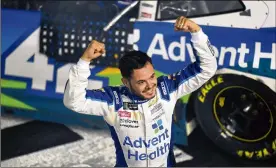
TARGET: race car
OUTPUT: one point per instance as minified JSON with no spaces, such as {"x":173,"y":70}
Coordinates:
{"x":236,"y":109}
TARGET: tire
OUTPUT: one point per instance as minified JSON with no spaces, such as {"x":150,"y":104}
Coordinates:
{"x":238,"y":114}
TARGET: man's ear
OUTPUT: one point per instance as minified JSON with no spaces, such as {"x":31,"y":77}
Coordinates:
{"x":125,"y":82}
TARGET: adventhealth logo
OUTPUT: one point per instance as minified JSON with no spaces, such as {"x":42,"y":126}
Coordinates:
{"x":236,"y":56}
{"x":157,"y":126}
{"x":160,"y":145}
{"x":235,"y":53}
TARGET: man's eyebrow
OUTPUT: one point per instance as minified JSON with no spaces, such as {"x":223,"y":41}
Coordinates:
{"x":140,"y":81}
{"x":145,"y":80}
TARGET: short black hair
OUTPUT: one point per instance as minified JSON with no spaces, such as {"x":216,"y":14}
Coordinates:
{"x":132,"y":60}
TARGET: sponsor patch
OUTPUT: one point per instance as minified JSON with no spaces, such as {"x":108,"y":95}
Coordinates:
{"x":159,"y":145}
{"x":163,"y":88}
{"x":157,"y":126}
{"x":136,"y":116}
{"x":124,"y":114}
{"x":156,"y":108}
{"x":129,"y":123}
{"x":117,"y":100}
{"x":130,"y":106}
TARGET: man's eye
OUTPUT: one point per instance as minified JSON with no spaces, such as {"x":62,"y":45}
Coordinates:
{"x":141,"y":82}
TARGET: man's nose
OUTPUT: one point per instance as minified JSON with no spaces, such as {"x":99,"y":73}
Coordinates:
{"x":148,"y":84}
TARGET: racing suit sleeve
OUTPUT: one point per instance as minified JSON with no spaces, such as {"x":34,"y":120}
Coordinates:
{"x":197,"y":73}
{"x":82,"y":100}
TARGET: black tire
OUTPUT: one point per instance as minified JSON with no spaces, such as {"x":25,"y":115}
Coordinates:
{"x":226,"y":94}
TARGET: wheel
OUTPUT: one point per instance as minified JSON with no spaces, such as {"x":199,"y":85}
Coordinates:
{"x":238,"y":114}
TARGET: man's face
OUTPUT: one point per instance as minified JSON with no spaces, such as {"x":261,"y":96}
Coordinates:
{"x":143,"y":82}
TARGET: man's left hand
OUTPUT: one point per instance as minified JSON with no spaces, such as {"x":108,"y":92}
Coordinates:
{"x":184,"y":24}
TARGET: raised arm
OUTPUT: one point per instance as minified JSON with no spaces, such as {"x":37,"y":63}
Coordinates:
{"x":196,"y":74}
{"x":76,"y":96}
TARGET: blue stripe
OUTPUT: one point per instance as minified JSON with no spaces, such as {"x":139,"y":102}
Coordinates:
{"x":99,"y":95}
{"x":120,"y":159}
{"x":189,"y":72}
{"x":171,"y":159}
{"x":116,"y":93}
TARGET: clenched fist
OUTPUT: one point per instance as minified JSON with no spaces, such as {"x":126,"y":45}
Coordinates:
{"x":94,"y":50}
{"x":184,"y":24}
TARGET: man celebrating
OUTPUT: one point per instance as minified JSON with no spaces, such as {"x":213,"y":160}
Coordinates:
{"x":139,"y":113}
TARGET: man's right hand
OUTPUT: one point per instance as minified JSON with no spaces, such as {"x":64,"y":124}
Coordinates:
{"x":184,"y":24}
{"x":94,"y":50}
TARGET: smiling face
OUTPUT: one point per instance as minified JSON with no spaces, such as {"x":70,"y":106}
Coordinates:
{"x":142,"y":82}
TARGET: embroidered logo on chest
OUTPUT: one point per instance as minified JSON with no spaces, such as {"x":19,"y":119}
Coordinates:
{"x":156,"y":108}
{"x":129,"y":119}
{"x":130,"y":106}
{"x":124,"y":114}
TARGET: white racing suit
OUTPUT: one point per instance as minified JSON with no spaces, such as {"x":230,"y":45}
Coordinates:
{"x":141,"y":129}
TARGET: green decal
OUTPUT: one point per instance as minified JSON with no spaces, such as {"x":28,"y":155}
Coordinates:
{"x":13,"y":84}
{"x":11,"y":102}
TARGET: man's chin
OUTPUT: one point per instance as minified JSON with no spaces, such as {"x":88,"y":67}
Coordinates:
{"x":149,"y":96}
